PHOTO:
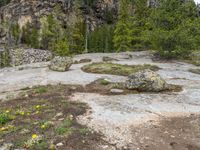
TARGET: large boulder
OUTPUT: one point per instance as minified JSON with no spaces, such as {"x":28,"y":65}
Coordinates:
{"x":146,"y":80}
{"x":61,"y":63}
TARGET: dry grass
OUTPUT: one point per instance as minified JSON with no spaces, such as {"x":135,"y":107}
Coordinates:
{"x":116,"y":69}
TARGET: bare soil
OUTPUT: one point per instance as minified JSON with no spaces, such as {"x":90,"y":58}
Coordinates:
{"x":177,"y":133}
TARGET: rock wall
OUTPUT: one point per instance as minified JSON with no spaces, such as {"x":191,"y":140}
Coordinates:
{"x":24,"y":11}
{"x":22,"y":56}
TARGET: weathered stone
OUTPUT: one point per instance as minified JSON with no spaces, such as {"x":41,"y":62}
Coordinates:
{"x":116,"y":91}
{"x":6,"y":146}
{"x":82,"y":61}
{"x":146,"y":80}
{"x":22,"y":56}
{"x":59,"y":144}
{"x":109,"y":59}
{"x":60,"y":64}
{"x":24,"y":11}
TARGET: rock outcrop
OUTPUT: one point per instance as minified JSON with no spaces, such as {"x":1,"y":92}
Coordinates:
{"x":24,"y":11}
{"x":147,"y":81}
{"x":60,"y":64}
{"x":22,"y":56}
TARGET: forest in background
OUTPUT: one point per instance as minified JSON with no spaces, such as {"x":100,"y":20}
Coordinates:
{"x":171,"y":28}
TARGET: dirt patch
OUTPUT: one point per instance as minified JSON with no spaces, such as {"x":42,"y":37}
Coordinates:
{"x":116,"y":69}
{"x":45,"y":118}
{"x":178,"y":133}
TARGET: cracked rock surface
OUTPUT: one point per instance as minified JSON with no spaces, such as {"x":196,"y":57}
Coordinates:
{"x":143,"y":121}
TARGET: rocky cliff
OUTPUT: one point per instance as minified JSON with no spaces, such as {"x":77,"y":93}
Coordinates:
{"x":24,"y":11}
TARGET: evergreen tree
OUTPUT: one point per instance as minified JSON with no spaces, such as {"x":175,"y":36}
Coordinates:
{"x":100,"y":40}
{"x":140,"y":19}
{"x":53,"y":36}
{"x":123,"y":30}
{"x":4,"y":2}
{"x":169,"y":36}
{"x":77,"y":31}
{"x":30,"y":36}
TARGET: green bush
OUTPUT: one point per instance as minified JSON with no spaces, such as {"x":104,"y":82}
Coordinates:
{"x":4,"y":118}
{"x":61,"y":48}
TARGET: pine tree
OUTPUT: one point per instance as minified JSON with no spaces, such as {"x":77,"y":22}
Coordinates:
{"x":170,"y":36}
{"x":140,"y":19}
{"x":123,"y":30}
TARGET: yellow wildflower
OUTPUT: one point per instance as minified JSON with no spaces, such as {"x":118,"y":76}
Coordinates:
{"x":2,"y":129}
{"x":38,"y":106}
{"x":37,"y":112}
{"x":43,"y":126}
{"x":7,"y":111}
{"x":34,"y":136}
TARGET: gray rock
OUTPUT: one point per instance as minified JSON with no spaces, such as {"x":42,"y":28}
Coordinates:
{"x":61,"y":63}
{"x":116,"y":91}
{"x":105,"y":58}
{"x":146,"y":80}
{"x":59,"y":144}
{"x":6,"y":146}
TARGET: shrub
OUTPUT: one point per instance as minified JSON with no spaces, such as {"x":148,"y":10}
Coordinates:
{"x":4,"y":118}
{"x":61,"y":48}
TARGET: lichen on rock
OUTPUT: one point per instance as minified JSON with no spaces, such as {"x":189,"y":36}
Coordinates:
{"x":146,"y":80}
{"x":60,"y":63}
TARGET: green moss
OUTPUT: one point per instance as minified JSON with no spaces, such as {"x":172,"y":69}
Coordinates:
{"x":104,"y":82}
{"x":41,"y":90}
{"x":116,"y":69}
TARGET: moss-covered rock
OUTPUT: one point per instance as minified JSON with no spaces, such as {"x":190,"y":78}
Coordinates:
{"x":146,"y":80}
{"x":61,"y":63}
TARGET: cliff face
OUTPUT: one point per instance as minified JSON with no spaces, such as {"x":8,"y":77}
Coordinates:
{"x":18,"y":9}
{"x":24,"y":11}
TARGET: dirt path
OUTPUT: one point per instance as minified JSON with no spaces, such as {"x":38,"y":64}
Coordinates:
{"x":135,"y":121}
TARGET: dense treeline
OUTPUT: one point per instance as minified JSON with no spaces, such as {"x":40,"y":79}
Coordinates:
{"x":4,"y":2}
{"x":172,"y":29}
